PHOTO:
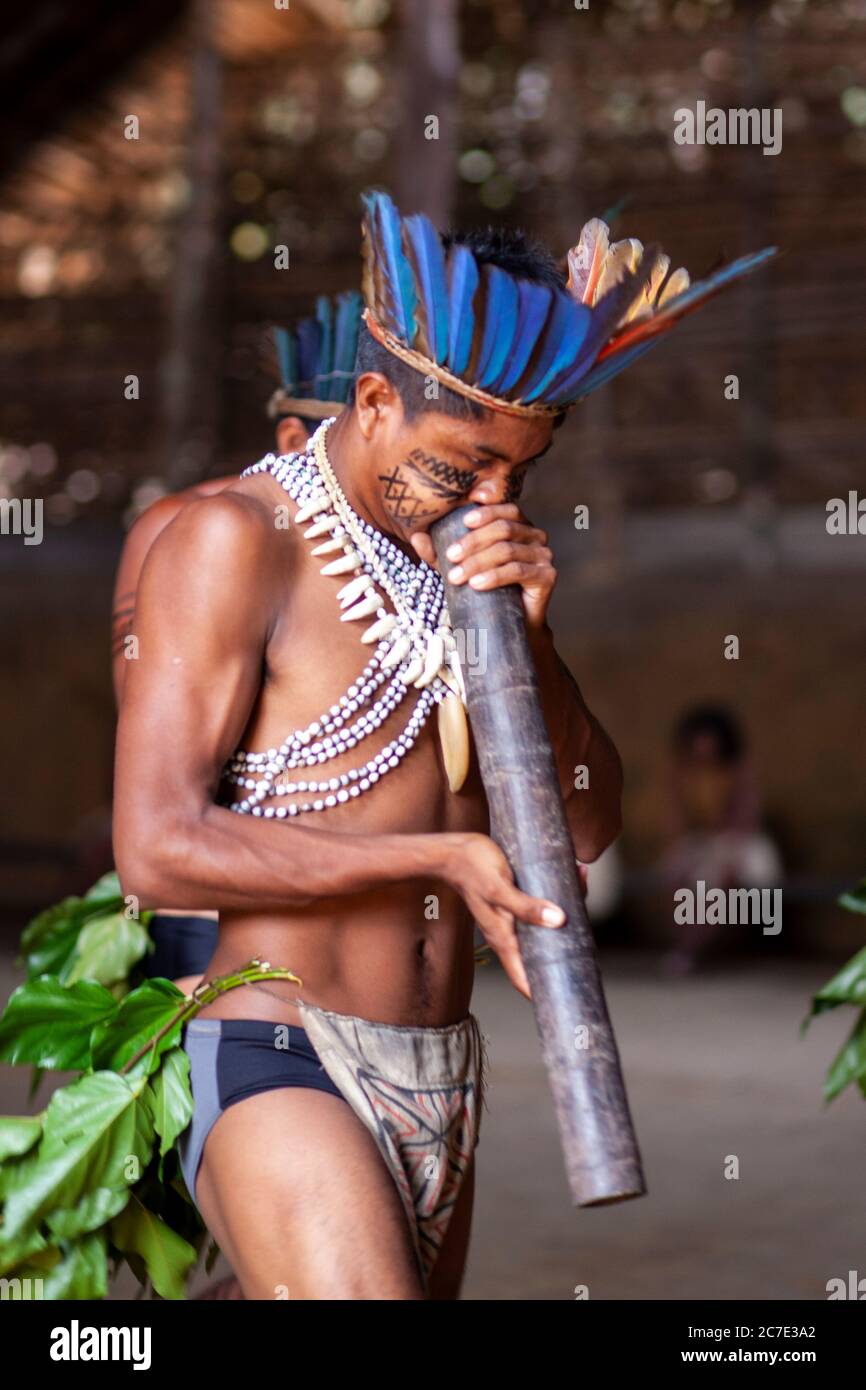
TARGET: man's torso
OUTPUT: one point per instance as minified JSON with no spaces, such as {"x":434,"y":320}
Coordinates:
{"x":403,"y":954}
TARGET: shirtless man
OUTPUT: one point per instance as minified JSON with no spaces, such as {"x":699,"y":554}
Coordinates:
{"x":241,"y":640}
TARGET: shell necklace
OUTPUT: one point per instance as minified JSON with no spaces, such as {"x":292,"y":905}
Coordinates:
{"x":415,"y":649}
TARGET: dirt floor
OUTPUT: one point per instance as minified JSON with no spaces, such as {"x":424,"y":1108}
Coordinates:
{"x":714,"y":1067}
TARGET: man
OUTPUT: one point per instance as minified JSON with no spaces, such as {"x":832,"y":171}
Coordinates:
{"x":314,"y":382}
{"x":359,"y":1187}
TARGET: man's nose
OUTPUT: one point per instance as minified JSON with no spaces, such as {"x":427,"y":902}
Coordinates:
{"x":489,"y":490}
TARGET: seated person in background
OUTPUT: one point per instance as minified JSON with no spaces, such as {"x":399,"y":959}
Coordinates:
{"x":718,"y":837}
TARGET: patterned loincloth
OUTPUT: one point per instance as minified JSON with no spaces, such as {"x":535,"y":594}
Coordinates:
{"x":419,"y":1091}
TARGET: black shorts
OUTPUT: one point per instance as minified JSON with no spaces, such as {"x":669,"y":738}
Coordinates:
{"x":183,"y":946}
{"x":232,"y":1059}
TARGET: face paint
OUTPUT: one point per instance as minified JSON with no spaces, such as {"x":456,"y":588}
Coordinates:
{"x":421,"y":473}
{"x":402,"y":503}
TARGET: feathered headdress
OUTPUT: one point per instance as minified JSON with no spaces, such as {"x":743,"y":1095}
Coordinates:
{"x":314,"y":362}
{"x":511,"y":344}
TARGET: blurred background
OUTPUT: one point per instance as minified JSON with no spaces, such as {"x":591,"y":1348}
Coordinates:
{"x":145,"y":248}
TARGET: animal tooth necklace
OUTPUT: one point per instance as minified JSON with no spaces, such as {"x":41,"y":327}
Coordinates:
{"x":415,"y":649}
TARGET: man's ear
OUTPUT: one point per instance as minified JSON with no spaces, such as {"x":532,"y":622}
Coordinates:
{"x":292,"y":434}
{"x":377,"y":403}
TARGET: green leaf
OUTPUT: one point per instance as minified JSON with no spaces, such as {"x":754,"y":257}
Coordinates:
{"x":97,"y":1141}
{"x":847,"y":987}
{"x":50,"y":1024}
{"x":171,"y":1098}
{"x":27,"y":1249}
{"x":855,"y":901}
{"x":167,"y":1257}
{"x":139,"y":1018}
{"x":108,"y":947}
{"x":850,"y":1064}
{"x":105,"y":888}
{"x":18,"y":1134}
{"x":50,"y":944}
{"x":58,"y":936}
{"x":82,"y":1272}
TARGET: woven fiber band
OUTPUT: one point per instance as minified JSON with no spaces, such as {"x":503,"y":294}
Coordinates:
{"x":281,"y":404}
{"x":430,"y":368}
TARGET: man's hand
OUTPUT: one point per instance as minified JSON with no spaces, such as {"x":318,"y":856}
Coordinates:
{"x":476,"y":867}
{"x":501,"y":548}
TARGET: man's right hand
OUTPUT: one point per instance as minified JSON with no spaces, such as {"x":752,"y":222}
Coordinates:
{"x":475,"y":866}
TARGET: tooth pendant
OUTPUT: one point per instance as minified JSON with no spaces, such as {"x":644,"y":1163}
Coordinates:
{"x":395,"y":655}
{"x":454,"y":663}
{"x":380,"y":629}
{"x":432,"y":661}
{"x":312,"y":508}
{"x":321,"y":528}
{"x":327,"y":547}
{"x":362,"y":609}
{"x":413,"y":670}
{"x":454,"y":740}
{"x":343,"y":565}
{"x":354,"y":589}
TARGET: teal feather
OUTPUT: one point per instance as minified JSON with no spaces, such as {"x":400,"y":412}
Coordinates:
{"x":325,"y":364}
{"x":701,"y":289}
{"x":346,"y":330}
{"x":287,"y":359}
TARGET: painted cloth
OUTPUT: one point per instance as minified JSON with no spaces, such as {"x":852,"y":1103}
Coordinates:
{"x":419,"y":1091}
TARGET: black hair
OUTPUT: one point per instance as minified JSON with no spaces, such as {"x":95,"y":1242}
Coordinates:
{"x":511,"y":251}
{"x":711,"y":721}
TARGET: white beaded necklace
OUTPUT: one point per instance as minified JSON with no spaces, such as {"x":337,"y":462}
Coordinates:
{"x":415,"y":648}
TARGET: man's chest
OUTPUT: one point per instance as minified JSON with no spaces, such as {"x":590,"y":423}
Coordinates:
{"x":369,"y":743}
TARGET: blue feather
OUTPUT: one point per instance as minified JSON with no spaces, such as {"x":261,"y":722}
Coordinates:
{"x":287,"y":358}
{"x":385,"y":235}
{"x":566,"y":389}
{"x":345,"y":343}
{"x":500,"y":321}
{"x":613,"y":365}
{"x":463,"y":282}
{"x":533,"y":306}
{"x":309,"y":333}
{"x":607,"y":313}
{"x":717,"y":280}
{"x":430,"y":261}
{"x":325,"y":364}
{"x":569,"y":324}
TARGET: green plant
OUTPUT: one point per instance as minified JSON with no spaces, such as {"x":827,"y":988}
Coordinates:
{"x":94,"y":1180}
{"x":847,"y":987}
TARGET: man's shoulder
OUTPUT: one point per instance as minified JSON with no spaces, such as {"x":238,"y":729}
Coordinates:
{"x":233,"y":522}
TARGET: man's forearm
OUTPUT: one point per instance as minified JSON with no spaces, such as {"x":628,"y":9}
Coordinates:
{"x":223,"y":861}
{"x":578,"y":742}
